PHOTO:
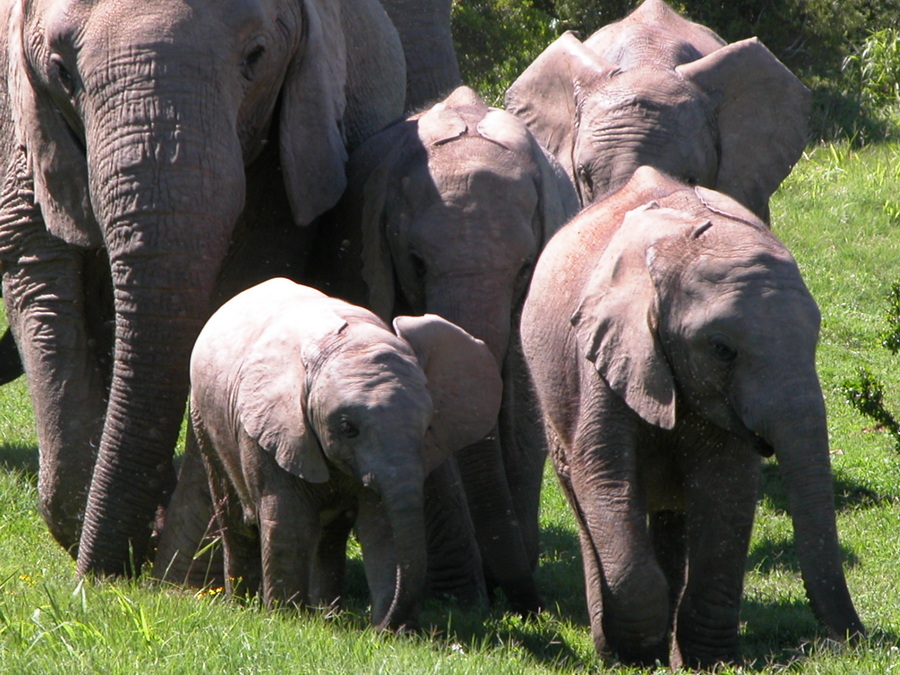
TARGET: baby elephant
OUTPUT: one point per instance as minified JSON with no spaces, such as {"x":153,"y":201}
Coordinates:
{"x":312,"y":414}
{"x":672,"y":342}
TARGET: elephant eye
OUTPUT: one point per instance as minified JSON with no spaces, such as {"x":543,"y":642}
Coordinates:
{"x":251,"y":59}
{"x":584,"y":177}
{"x":721,"y":349}
{"x":347,"y":429}
{"x":62,"y":74}
{"x":418,"y":266}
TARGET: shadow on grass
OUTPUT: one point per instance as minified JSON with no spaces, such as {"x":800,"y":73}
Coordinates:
{"x":848,"y":495}
{"x":20,"y":458}
{"x":779,"y":555}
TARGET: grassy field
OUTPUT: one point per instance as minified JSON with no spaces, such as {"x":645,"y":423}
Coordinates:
{"x":839,"y":213}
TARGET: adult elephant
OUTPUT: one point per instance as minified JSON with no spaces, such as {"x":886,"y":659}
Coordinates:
{"x":655,"y":89}
{"x":446,"y":212}
{"x":672,"y":342}
{"x":169,"y":148}
{"x":431,"y":65}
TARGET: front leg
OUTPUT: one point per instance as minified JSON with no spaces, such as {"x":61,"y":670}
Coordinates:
{"x":330,"y":565}
{"x":43,"y":287}
{"x":722,"y":482}
{"x":289,"y":531}
{"x":625,"y":580}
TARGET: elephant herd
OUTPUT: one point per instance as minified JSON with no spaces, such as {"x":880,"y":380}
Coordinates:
{"x":387,"y":302}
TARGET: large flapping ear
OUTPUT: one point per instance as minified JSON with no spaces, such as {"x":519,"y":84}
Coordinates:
{"x":617,"y":318}
{"x":58,"y":165}
{"x":463,"y":380}
{"x":312,"y":143}
{"x":544,"y":95}
{"x":272,"y":397}
{"x":763,"y":119}
{"x":652,"y":31}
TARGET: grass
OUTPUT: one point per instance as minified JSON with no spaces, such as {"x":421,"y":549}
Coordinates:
{"x":839,"y":212}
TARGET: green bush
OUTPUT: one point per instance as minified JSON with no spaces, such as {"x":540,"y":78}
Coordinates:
{"x":496,"y":40}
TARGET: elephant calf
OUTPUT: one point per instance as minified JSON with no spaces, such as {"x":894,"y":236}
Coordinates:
{"x":312,"y":414}
{"x":445,"y":212}
{"x":672,"y":341}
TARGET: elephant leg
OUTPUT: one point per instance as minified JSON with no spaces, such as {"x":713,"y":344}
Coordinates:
{"x":330,"y":564}
{"x":189,"y":551}
{"x":611,"y":505}
{"x":722,"y":486}
{"x":524,"y":448}
{"x":241,"y":551}
{"x":667,"y":531}
{"x":289,"y":531}
{"x":496,"y":527}
{"x":43,"y":288}
{"x":454,"y":562}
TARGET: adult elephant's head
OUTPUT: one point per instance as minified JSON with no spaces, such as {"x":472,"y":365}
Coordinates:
{"x":734,"y":119}
{"x":138,"y":119}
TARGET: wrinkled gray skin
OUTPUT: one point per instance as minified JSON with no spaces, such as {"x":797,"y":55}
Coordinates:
{"x":446,"y":213}
{"x":146,"y":151}
{"x":432,"y":70}
{"x":655,"y":89}
{"x":672,"y":342}
{"x":311,"y":414}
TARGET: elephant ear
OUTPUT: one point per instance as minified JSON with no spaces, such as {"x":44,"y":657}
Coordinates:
{"x":55,"y":160}
{"x":272,"y":396}
{"x":763,"y":119}
{"x":617,"y":318}
{"x":312,"y":143}
{"x":372,"y":168}
{"x":463,"y":380}
{"x":544,"y":95}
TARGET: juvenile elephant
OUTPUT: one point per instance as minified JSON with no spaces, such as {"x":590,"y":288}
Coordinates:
{"x":655,"y":89}
{"x":311,"y":413}
{"x":672,"y":342}
{"x":446,"y":212}
{"x":178,"y":150}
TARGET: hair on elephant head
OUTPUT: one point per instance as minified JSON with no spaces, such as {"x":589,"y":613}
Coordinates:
{"x":679,"y":349}
{"x":145,"y":129}
{"x":446,"y":212}
{"x":309,"y":410}
{"x":655,"y":89}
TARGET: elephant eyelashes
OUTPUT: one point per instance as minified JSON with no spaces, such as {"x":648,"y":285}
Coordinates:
{"x":347,"y":429}
{"x":63,"y":76}
{"x":250,"y":61}
{"x":721,"y":349}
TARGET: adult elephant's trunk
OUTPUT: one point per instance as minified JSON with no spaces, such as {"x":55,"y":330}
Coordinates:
{"x":801,"y":445}
{"x":167,"y":185}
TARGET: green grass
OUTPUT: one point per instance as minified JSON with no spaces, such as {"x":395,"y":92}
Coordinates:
{"x":839,"y":212}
